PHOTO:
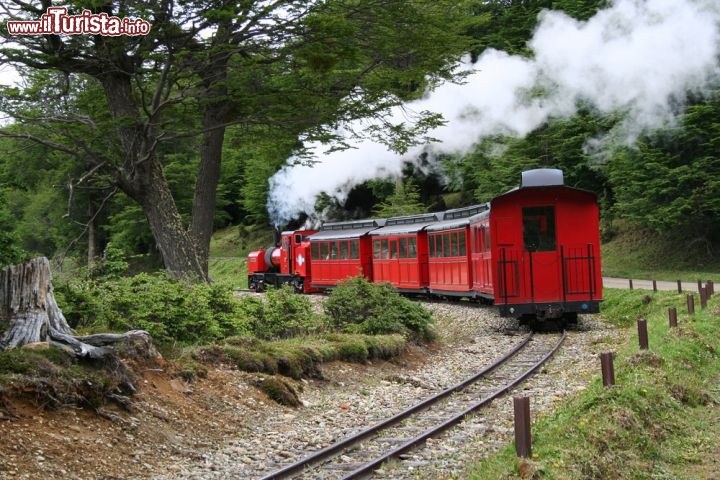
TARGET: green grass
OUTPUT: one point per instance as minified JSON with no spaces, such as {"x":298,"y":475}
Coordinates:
{"x":646,"y":255}
{"x":229,"y":248}
{"x":660,"y":420}
{"x":300,"y":357}
{"x":230,"y":271}
{"x":239,"y":240}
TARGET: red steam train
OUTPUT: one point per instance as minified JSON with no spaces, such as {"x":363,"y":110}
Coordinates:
{"x":533,"y":251}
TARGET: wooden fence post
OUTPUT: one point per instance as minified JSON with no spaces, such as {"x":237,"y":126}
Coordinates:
{"x":608,"y":370}
{"x":523,"y":440}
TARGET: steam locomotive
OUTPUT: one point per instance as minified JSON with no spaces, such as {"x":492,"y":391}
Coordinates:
{"x":533,"y":251}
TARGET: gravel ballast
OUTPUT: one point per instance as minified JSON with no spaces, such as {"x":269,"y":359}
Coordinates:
{"x":352,"y":397}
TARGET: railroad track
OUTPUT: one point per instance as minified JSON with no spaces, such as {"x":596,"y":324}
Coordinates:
{"x":358,"y":455}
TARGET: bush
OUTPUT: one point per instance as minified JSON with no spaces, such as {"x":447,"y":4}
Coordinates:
{"x":358,"y":306}
{"x":284,"y":314}
{"x":168,"y":309}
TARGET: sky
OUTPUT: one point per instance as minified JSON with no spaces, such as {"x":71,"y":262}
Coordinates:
{"x":640,"y":57}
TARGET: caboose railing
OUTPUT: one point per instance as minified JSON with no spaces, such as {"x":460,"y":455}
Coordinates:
{"x":578,"y":271}
{"x":508,"y":276}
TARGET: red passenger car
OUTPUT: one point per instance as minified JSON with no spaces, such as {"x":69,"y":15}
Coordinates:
{"x":449,"y":255}
{"x":400,"y":252}
{"x":481,"y":259}
{"x":342,"y":250}
{"x":545,"y":243}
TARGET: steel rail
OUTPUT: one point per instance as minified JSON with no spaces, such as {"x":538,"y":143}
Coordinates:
{"x":330,"y":451}
{"x":371,"y":466}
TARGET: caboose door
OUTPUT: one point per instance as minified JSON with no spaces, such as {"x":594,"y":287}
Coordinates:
{"x":541,"y":254}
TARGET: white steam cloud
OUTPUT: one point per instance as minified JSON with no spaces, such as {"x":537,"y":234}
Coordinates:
{"x":640,"y":57}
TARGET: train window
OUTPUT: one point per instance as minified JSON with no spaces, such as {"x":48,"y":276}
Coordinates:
{"x":298,"y":239}
{"x":315,"y":251}
{"x":354,"y":250}
{"x":487,"y":239}
{"x":324,"y":251}
{"x":393,"y":249}
{"x":412,"y":249}
{"x":333,"y":250}
{"x":454,"y":244}
{"x":446,"y":245}
{"x":343,"y":250}
{"x":402,"y":245}
{"x":431,"y":246}
{"x":461,"y":244}
{"x":376,"y":249}
{"x":539,"y":229}
{"x":384,"y":249}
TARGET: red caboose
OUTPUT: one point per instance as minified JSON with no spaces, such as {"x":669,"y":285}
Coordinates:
{"x":545,"y":243}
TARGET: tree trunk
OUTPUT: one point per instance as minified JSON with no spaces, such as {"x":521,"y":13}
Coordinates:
{"x":142,"y":179}
{"x":30,"y":314}
{"x":205,"y":199}
{"x":178,"y":248}
{"x":215,"y":112}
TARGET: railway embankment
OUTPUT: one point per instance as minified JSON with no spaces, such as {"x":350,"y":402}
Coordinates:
{"x":660,"y":417}
{"x":351,"y":396}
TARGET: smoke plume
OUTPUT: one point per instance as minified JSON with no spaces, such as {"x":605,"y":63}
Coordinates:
{"x":636,"y":57}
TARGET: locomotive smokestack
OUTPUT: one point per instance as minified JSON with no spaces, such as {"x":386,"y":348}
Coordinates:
{"x":276,"y":235}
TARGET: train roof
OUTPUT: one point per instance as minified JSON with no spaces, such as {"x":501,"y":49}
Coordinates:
{"x":458,"y":217}
{"x":345,"y":230}
{"x":541,"y":178}
{"x":406,"y":224}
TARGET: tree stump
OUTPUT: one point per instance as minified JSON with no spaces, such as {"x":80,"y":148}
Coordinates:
{"x":30,"y":314}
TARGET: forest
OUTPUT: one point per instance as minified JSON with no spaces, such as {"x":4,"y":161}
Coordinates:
{"x":151,"y":143}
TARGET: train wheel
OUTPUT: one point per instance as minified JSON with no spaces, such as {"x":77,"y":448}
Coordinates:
{"x":256,"y":286}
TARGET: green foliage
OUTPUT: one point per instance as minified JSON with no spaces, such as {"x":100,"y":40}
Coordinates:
{"x":359,"y":306}
{"x":171,"y":311}
{"x":300,"y":357}
{"x":670,"y":181}
{"x":112,"y":265}
{"x":405,"y":200}
{"x":10,"y":251}
{"x":495,"y":165}
{"x":284,"y":314}
{"x":511,"y":23}
{"x":293,"y":71}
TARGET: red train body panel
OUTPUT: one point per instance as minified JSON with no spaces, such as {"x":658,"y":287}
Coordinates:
{"x":534,"y":251}
{"x":400,"y":252}
{"x":342,"y":250}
